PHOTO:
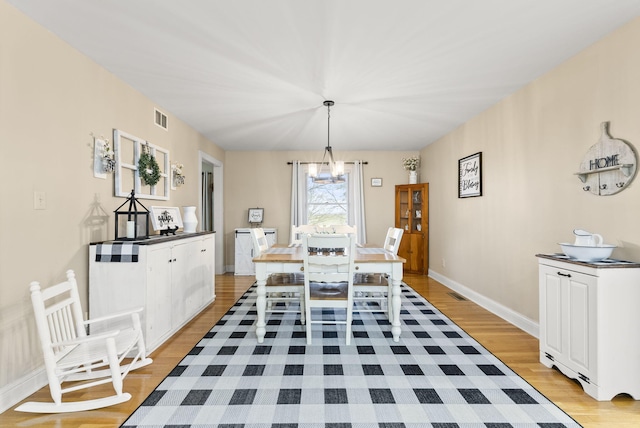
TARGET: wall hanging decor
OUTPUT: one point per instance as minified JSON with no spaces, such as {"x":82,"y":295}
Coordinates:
{"x":470,"y":176}
{"x":177,"y":176}
{"x":256,"y":216}
{"x":609,"y":166}
{"x":148,"y":167}
{"x":141,"y":166}
{"x":103,"y":157}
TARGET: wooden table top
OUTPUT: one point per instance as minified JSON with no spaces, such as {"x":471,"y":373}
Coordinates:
{"x":283,"y":254}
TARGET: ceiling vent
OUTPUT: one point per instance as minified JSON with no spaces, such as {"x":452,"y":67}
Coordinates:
{"x":161,"y":119}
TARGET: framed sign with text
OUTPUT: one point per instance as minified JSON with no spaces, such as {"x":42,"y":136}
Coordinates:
{"x":165,"y":218}
{"x":470,"y":176}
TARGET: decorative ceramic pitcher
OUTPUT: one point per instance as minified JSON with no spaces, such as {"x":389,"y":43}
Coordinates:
{"x":586,"y":239}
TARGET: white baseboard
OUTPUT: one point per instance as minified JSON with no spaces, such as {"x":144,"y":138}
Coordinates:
{"x":13,"y":393}
{"x":524,"y":323}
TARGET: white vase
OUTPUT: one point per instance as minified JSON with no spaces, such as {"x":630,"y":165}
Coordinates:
{"x":413,"y":177}
{"x":189,"y":220}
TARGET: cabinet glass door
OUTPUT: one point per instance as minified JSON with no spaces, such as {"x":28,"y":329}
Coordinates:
{"x":405,"y":211}
{"x":416,"y":212}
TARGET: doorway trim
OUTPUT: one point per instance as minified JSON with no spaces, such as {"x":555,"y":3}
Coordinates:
{"x":218,"y":209}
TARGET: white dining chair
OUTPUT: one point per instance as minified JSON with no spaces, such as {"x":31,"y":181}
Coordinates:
{"x":372,"y":291}
{"x":283,"y":287}
{"x":328,"y":278}
{"x":76,"y":358}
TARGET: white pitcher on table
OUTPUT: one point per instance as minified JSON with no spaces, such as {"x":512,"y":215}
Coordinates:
{"x":587,"y":239}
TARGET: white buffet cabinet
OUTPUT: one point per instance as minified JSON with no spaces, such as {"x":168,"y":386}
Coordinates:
{"x":173,"y":280}
{"x":244,"y":249}
{"x":588,"y":319}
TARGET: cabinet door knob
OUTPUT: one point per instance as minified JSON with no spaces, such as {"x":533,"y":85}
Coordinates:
{"x":568,"y":275}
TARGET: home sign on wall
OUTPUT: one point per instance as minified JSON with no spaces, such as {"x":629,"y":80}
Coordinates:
{"x":609,"y":166}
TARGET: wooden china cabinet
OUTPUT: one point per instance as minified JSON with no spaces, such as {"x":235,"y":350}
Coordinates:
{"x":412,"y":215}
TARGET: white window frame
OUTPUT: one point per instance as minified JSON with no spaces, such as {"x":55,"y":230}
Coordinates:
{"x":348,"y":171}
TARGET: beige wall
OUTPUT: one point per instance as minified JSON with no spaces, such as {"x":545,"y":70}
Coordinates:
{"x":532,"y":143}
{"x":51,"y":99}
{"x":263,"y":179}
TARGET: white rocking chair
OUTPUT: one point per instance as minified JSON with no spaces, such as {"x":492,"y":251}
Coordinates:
{"x":73,"y":355}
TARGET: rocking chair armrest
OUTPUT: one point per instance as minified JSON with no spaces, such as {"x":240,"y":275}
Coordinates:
{"x":85,"y":339}
{"x":114,"y":315}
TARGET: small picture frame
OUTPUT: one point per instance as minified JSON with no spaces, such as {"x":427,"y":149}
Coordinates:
{"x":470,"y":176}
{"x":256,"y":215}
{"x":163,"y":218}
{"x":376,"y":182}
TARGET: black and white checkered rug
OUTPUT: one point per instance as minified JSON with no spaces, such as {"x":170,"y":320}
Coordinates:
{"x":436,"y":376}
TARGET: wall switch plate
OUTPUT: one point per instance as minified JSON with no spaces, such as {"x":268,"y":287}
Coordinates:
{"x":39,"y":200}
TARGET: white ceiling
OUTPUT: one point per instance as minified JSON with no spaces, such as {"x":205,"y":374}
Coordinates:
{"x":253,"y":74}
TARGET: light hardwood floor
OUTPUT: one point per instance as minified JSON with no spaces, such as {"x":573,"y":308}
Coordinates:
{"x":514,"y":347}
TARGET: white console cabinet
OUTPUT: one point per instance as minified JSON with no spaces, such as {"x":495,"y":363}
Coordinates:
{"x":173,"y":280}
{"x":244,"y":249}
{"x":588,"y":316}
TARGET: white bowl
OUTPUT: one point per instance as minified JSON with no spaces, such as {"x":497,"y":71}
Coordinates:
{"x":584,"y":253}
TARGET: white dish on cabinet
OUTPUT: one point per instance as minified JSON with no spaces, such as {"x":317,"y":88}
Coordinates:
{"x":587,"y":253}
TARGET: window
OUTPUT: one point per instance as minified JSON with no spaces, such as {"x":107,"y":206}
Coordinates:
{"x":329,"y":203}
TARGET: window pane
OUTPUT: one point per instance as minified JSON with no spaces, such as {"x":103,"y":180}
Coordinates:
{"x":327,"y":203}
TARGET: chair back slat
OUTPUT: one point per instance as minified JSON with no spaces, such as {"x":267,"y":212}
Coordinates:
{"x":329,"y":267}
{"x":298,"y":231}
{"x":61,"y":326}
{"x":341,"y":228}
{"x":58,"y":314}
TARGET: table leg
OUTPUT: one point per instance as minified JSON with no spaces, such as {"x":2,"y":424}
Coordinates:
{"x":261,"y":301}
{"x":396,"y":302}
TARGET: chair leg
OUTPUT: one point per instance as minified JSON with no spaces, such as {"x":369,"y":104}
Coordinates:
{"x":308,"y":317}
{"x":114,"y":366}
{"x":142,"y":349}
{"x":55,"y":389}
{"x":349,"y":321}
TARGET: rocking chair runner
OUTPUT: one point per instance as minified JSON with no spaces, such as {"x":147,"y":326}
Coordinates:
{"x":73,"y":355}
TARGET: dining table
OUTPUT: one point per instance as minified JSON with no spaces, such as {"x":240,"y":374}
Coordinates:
{"x":289,"y":259}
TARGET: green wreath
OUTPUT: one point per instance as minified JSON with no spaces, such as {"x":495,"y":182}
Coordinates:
{"x":148,"y":169}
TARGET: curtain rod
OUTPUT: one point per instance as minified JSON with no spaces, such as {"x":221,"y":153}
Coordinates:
{"x":325,"y":163}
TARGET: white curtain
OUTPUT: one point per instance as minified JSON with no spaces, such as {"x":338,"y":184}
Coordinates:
{"x":358,"y":202}
{"x":298,"y":196}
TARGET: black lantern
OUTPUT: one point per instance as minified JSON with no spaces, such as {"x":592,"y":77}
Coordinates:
{"x":132,"y":223}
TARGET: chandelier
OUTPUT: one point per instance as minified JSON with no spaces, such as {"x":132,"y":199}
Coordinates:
{"x":335,"y":173}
